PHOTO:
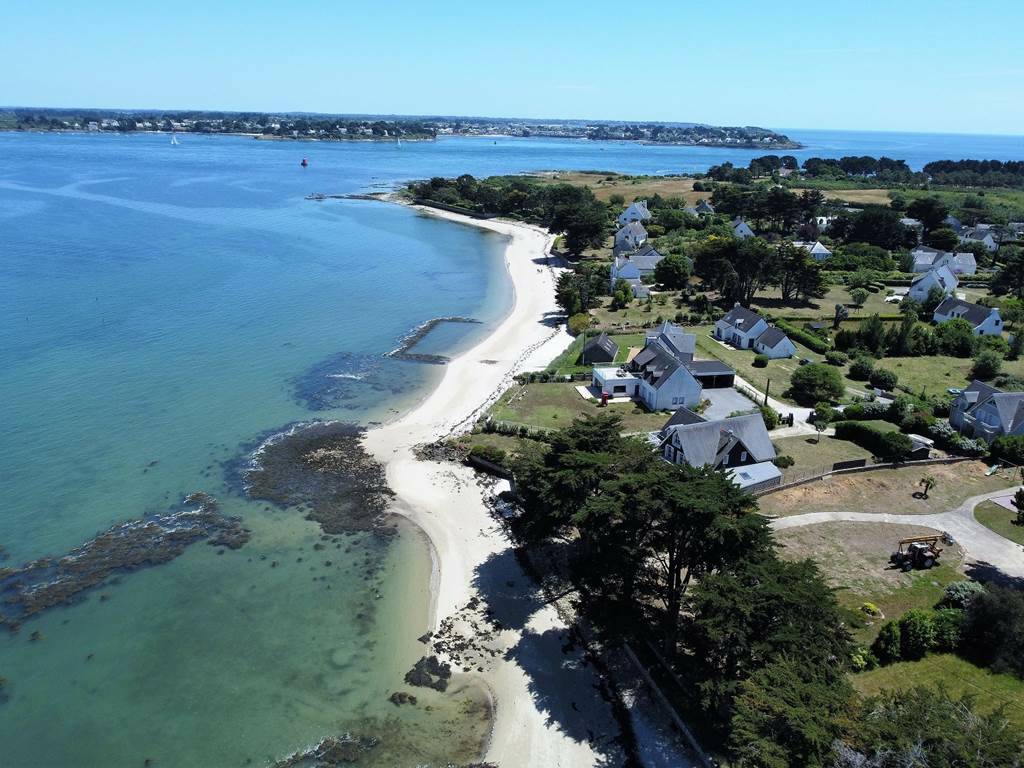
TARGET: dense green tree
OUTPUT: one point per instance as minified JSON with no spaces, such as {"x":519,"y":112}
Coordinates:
{"x":762,"y":610}
{"x":875,"y":225}
{"x":790,"y":713}
{"x":943,"y":238}
{"x":673,"y":271}
{"x":815,"y":383}
{"x":928,"y":728}
{"x":798,"y":275}
{"x":930,"y":211}
{"x":955,"y":337}
{"x":1010,"y":277}
{"x":994,"y":631}
{"x":987,"y":364}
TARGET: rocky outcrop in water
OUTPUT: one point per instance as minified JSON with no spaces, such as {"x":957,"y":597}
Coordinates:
{"x":429,"y":672}
{"x":44,"y":583}
{"x":330,"y":752}
{"x":323,"y":469}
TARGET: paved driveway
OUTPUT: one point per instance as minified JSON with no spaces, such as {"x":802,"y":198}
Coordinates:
{"x":725,"y":401}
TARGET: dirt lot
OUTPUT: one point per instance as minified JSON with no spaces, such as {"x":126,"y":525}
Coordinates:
{"x":864,"y":196}
{"x":886,"y":491}
{"x":854,"y":558}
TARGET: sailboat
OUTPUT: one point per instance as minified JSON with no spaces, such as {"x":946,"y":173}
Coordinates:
{"x":174,"y":139}
{"x":399,"y":138}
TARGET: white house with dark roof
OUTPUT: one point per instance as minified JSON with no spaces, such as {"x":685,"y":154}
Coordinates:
{"x":636,"y":211}
{"x":663,"y":375}
{"x":633,"y":267}
{"x":739,"y":445}
{"x":981,"y":235}
{"x":986,"y":321}
{"x":958,"y":263}
{"x":740,"y":327}
{"x":984,"y":412}
{"x":745,"y":329}
{"x":924,"y":257}
{"x":774,"y":344}
{"x":818,"y":251}
{"x":741,"y":229}
{"x":940,"y":277}
{"x":630,"y":237}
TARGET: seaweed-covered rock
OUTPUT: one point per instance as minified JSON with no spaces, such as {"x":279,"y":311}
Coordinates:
{"x":330,"y":752}
{"x":398,"y":698}
{"x":46,"y":582}
{"x":429,"y":672}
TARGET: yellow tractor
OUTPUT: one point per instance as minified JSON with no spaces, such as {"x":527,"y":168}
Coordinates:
{"x":921,"y":552}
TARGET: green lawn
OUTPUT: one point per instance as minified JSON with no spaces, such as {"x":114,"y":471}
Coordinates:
{"x":936,"y":374}
{"x":555,"y":405}
{"x":638,"y":314}
{"x":512,"y":446}
{"x":770,"y":302}
{"x":1000,"y":520}
{"x":960,"y":677}
{"x":810,"y":455}
{"x":775,"y":375}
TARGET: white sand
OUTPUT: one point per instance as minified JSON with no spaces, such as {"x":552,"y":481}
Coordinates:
{"x":546,"y":707}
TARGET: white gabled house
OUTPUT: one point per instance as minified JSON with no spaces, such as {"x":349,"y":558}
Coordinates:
{"x":663,"y":375}
{"x":985,"y":413}
{"x":986,"y":321}
{"x":740,"y":327}
{"x":818,"y":251}
{"x":958,"y":263}
{"x":940,"y":277}
{"x":980,"y":235}
{"x":745,"y":329}
{"x":636,"y":211}
{"x":741,"y":229}
{"x":633,"y":267}
{"x":924,"y":258}
{"x":774,"y":344}
{"x":630,"y":237}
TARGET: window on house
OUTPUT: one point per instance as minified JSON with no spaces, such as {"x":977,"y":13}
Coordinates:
{"x":743,"y":456}
{"x":725,"y":460}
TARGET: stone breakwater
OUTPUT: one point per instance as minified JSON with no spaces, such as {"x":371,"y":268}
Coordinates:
{"x":404,"y":349}
{"x":47,"y":582}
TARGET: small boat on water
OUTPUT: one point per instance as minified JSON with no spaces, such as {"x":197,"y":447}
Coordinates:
{"x":304,"y":163}
{"x":174,"y":139}
{"x":316,"y":196}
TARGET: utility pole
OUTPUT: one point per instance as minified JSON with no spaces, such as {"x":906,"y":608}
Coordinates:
{"x":766,"y":388}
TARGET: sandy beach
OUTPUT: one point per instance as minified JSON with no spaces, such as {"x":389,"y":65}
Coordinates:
{"x":548,"y":711}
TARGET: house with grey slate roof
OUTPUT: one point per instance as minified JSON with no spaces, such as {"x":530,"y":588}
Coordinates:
{"x":986,"y":321}
{"x":600,"y":349}
{"x":744,"y":329}
{"x":738,"y":445}
{"x":636,"y":211}
{"x":984,"y":412}
{"x":981,"y":234}
{"x":663,"y":375}
{"x":633,"y":267}
{"x":630,"y":237}
{"x":939,"y":277}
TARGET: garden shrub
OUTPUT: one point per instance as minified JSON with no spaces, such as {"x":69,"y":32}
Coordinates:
{"x":949,"y":625}
{"x":783,"y":462}
{"x":809,"y":340}
{"x":815,"y":383}
{"x":888,"y":645}
{"x":890,"y":446}
{"x":883,"y":379}
{"x":861,"y":368}
{"x":1008,"y":448}
{"x":917,"y":633}
{"x":760,"y":361}
{"x":770,"y":416}
{"x":491,"y":453}
{"x":579,"y":323}
{"x":960,"y":594}
{"x":836,"y":357}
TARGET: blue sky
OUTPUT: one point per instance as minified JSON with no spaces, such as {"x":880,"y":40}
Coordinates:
{"x":895,"y":65}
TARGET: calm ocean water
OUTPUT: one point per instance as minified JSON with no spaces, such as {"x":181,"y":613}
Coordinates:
{"x":161,"y":309}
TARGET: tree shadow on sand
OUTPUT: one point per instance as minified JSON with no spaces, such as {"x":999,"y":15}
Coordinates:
{"x":564,"y":686}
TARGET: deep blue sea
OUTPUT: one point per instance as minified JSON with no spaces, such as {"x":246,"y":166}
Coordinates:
{"x":162,"y":309}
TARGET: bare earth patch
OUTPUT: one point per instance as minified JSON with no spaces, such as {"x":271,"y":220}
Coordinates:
{"x":892,"y":491}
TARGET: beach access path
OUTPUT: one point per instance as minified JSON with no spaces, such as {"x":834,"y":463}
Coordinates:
{"x":548,"y":706}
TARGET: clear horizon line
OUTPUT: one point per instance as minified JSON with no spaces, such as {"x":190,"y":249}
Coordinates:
{"x":442,"y":115}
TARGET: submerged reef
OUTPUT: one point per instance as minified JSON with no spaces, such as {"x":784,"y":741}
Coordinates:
{"x":349,"y":381}
{"x":404,"y":349}
{"x":47,"y":582}
{"x":329,"y":752}
{"x":323,"y":469}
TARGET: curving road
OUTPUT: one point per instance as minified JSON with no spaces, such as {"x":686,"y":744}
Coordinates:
{"x":980,"y":543}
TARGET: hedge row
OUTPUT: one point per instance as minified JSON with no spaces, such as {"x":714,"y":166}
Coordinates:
{"x":891,"y":446}
{"x":809,"y":340}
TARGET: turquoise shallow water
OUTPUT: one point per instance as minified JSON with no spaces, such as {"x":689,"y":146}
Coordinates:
{"x":161,"y":309}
